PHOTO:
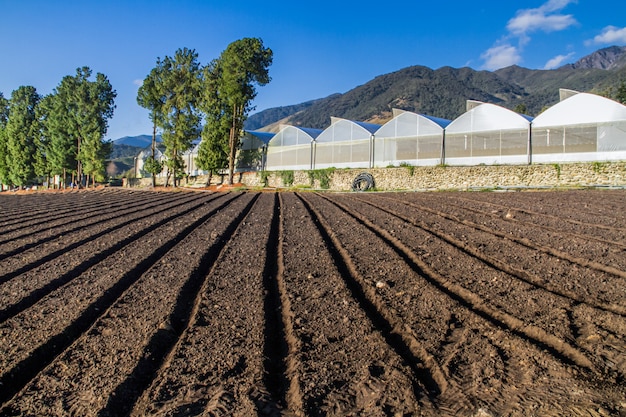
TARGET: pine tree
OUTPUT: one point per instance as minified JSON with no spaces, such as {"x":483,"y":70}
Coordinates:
{"x":4,"y":116}
{"x":243,"y":65}
{"x":151,"y":96}
{"x":76,"y":122}
{"x":180,"y":85}
{"x":20,"y":131}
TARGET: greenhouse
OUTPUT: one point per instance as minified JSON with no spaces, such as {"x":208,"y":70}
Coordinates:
{"x":410,"y":138}
{"x":344,"y":144}
{"x":291,"y":148}
{"x":189,"y":159}
{"x":487,"y":134}
{"x":251,"y":155}
{"x":140,"y":160}
{"x":582,"y":127}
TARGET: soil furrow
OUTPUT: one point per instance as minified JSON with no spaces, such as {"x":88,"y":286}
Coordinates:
{"x":51,"y":213}
{"x":123,"y":398}
{"x":280,"y":343}
{"x":313,"y":304}
{"x":291,"y":389}
{"x":521,"y":214}
{"x":36,"y":257}
{"x":104,"y":252}
{"x":34,"y":327}
{"x":28,"y":240}
{"x":616,"y":235}
{"x":60,"y":224}
{"x":560,"y":348}
{"x":38,"y":363}
{"x":52,"y":203}
{"x":503,"y":266}
{"x":573,"y":205}
{"x":590,"y":284}
{"x":403,"y":342}
{"x":609,"y":249}
{"x":236,"y":379}
{"x":584,"y":262}
{"x":345,"y":368}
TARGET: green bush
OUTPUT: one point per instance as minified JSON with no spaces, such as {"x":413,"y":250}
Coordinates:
{"x":287,"y":177}
{"x":323,"y":176}
{"x":265,"y":177}
{"x":409,"y":167}
{"x":557,"y":167}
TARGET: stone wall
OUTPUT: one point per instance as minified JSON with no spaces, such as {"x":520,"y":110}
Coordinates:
{"x":562,"y":175}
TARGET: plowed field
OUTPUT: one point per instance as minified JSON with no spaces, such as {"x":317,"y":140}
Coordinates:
{"x":119,"y":302}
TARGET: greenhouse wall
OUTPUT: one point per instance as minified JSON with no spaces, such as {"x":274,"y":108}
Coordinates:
{"x":409,"y":138}
{"x":291,"y":149}
{"x":344,"y":144}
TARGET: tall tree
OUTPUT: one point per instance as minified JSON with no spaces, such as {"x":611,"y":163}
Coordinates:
{"x":42,"y":165}
{"x":241,"y":66}
{"x":57,"y":126}
{"x":181,"y":119}
{"x":93,"y":104}
{"x":77,"y":122}
{"x":4,"y":116}
{"x":213,"y":150}
{"x":20,"y":131}
{"x":151,"y":96}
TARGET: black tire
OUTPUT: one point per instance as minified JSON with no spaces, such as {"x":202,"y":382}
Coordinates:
{"x":363,"y":182}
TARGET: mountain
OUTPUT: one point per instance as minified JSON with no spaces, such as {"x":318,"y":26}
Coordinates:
{"x":269,"y":116}
{"x":443,"y":92}
{"x":607,"y":58}
{"x":141,"y":141}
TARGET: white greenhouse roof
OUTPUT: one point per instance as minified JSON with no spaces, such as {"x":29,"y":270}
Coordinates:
{"x":581,"y":108}
{"x":406,"y":123}
{"x":347,"y":130}
{"x":487,"y":117}
{"x":264,"y":136}
{"x":294,"y":135}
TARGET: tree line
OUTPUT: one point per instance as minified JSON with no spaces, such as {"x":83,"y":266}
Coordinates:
{"x":62,"y":133}
{"x":57,"y":134}
{"x":180,"y":95}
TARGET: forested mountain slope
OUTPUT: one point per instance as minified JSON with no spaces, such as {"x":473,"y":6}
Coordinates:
{"x":443,"y":92}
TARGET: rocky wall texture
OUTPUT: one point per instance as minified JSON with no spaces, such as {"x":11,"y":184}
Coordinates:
{"x":453,"y":177}
{"x":607,"y":174}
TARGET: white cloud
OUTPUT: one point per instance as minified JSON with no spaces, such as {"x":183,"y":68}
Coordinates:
{"x":138,"y":83}
{"x":501,"y":56}
{"x":545,"y":18}
{"x":533,"y":20}
{"x":610,"y":34}
{"x":557,"y":61}
{"x":555,"y":5}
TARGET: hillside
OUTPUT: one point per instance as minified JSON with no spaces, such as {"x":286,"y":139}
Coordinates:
{"x":276,"y":114}
{"x":141,"y":141}
{"x":443,"y":92}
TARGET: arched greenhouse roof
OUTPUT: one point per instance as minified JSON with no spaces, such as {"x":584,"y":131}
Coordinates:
{"x":581,"y":108}
{"x":266,"y":137}
{"x":341,"y":130}
{"x":406,"y":123}
{"x":294,"y":135}
{"x":488,"y":117}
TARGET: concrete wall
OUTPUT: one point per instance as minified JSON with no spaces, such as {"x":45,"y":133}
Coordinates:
{"x":447,"y":177}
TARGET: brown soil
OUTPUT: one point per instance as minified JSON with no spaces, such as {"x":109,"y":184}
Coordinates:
{"x":117,"y":302}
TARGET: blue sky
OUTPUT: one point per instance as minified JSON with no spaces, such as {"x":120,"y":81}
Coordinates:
{"x":320,"y":47}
